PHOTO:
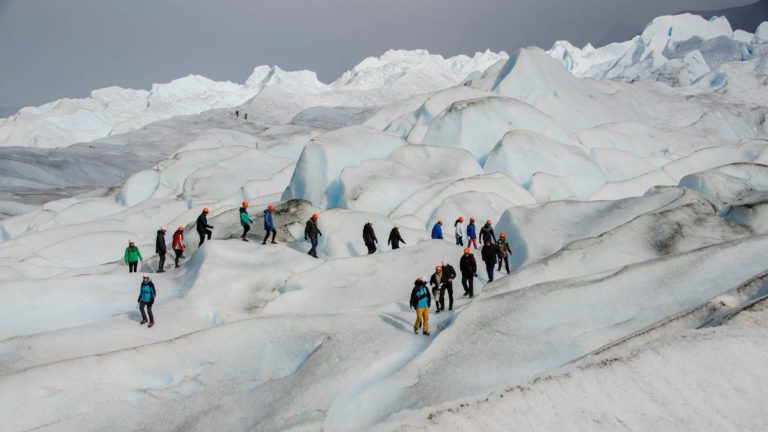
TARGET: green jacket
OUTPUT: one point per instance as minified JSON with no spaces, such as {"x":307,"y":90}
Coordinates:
{"x":132,"y":254}
{"x":504,"y":247}
{"x":244,"y":218}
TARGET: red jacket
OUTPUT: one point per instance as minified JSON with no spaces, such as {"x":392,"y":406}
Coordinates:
{"x":178,"y":241}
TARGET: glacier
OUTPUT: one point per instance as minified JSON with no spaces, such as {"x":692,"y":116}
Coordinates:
{"x":631,"y":181}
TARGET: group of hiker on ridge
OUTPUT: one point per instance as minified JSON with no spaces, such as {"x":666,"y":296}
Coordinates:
{"x":493,"y":251}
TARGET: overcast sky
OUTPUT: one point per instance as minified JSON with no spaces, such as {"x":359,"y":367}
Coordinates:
{"x":51,"y":49}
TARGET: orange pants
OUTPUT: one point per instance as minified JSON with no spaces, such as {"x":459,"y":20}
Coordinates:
{"x":422,"y":315}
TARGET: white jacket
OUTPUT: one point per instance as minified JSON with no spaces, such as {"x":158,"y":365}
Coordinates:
{"x":459,"y":229}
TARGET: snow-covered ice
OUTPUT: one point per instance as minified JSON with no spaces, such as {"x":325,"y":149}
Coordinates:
{"x":630,"y":180}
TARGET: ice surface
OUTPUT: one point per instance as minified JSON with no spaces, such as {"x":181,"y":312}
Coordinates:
{"x":630,"y":181}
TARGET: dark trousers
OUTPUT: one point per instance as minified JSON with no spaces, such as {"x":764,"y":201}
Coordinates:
{"x":489,"y":269}
{"x":266,"y":236}
{"x":506,"y":263}
{"x":459,"y":241}
{"x":203,"y":235}
{"x":162,"y":261}
{"x":448,"y":287}
{"x":371,"y":247}
{"x":142,"y":305}
{"x":468,"y":282}
{"x":179,"y":252}
{"x":246,"y":228}
{"x":313,"y":251}
{"x":395,"y":245}
{"x":133,"y":267}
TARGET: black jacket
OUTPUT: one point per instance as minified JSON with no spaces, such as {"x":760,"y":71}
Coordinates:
{"x":160,"y":242}
{"x":311,"y":229}
{"x":395,"y":238}
{"x":486,"y":232}
{"x":202,"y":223}
{"x":368,"y":235}
{"x":468,"y":265}
{"x":415,"y":299}
{"x":490,"y":253}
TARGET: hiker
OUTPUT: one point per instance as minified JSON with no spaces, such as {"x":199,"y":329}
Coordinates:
{"x":395,"y":238}
{"x":237,"y":114}
{"x":178,"y":244}
{"x":468,"y":268}
{"x":449,"y":274}
{"x":472,"y":233}
{"x":160,"y":249}
{"x":504,"y":251}
{"x":437,"y":230}
{"x":311,"y":231}
{"x":132,"y":257}
{"x":203,"y":229}
{"x":245,"y":220}
{"x":437,"y":285}
{"x":245,"y":116}
{"x":421,"y":301}
{"x":369,"y":237}
{"x":146,"y":299}
{"x":489,"y":253}
{"x":458,"y":227}
{"x":269,"y":225}
{"x":486,"y":233}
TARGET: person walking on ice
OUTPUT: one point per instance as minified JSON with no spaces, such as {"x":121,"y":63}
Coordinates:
{"x":369,"y":237}
{"x":468,"y":268}
{"x":421,"y":301}
{"x":311,"y":231}
{"x":178,"y":244}
{"x":486,"y":233}
{"x":504,"y":251}
{"x":269,"y":225}
{"x":395,"y":238}
{"x":458,"y":227}
{"x":490,"y":252}
{"x":160,"y":249}
{"x":472,"y":233}
{"x":146,"y":299}
{"x":203,"y":229}
{"x":437,"y":230}
{"x":132,"y":257}
{"x":245,"y":220}
{"x":436,"y":281}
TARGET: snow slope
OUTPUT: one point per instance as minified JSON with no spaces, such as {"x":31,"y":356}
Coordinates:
{"x":630,"y":181}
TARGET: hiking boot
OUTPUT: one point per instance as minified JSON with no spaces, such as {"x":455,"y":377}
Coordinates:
{"x":244,"y":239}
{"x":426,"y":333}
{"x":143,"y":322}
{"x":274,"y":242}
{"x":161,"y":271}
{"x":150,"y":325}
{"x":415,"y":331}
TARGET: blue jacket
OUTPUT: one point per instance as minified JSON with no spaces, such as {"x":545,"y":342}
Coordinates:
{"x":437,"y":232}
{"x":420,"y":297}
{"x":269,"y":225}
{"x":471,"y":231}
{"x":147,"y":292}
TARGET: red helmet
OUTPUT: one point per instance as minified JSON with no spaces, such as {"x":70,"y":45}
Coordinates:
{"x":315,"y":216}
{"x":502,"y":234}
{"x":270,"y":208}
{"x":467,"y":250}
{"x":181,"y":228}
{"x":488,"y":221}
{"x":245,"y":203}
{"x":205,"y":210}
{"x":461,"y":218}
{"x":471,"y":219}
{"x":438,"y":267}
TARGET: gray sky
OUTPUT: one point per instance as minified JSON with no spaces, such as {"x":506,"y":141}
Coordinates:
{"x":51,"y":49}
